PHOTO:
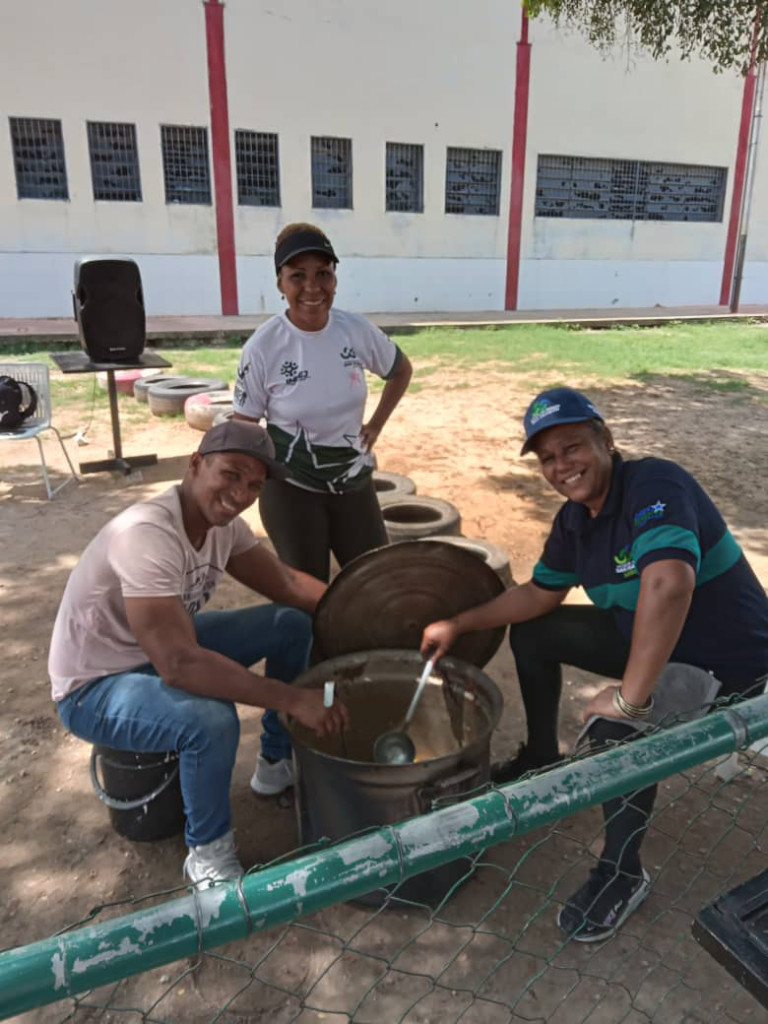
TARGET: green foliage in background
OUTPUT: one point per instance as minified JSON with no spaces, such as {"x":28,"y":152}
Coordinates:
{"x":720,"y":31}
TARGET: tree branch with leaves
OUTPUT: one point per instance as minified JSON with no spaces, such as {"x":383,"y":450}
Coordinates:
{"x":727,"y":33}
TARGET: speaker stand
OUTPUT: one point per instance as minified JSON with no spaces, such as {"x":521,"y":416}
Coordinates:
{"x":79,"y":362}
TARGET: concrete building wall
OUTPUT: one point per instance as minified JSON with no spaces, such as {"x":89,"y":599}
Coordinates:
{"x":424,"y":73}
{"x":144,"y":64}
{"x":624,"y":107}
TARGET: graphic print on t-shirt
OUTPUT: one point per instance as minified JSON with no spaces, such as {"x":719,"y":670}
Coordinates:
{"x":335,"y":468}
{"x":197,"y":586}
{"x":310,"y":387}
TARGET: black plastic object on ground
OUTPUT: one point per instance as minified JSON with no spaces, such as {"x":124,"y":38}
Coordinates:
{"x":341,"y":791}
{"x":734,"y":929}
{"x":142,"y":792}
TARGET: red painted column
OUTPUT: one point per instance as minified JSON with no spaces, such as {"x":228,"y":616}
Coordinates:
{"x":739,"y":173}
{"x":519,"y":140}
{"x":222,"y":161}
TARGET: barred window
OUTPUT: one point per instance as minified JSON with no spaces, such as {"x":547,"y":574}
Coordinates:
{"x":331,"y":173}
{"x":472,"y":181}
{"x":185,"y":164}
{"x":38,"y":157}
{"x":405,"y":177}
{"x":258,"y":169}
{"x":114,"y":161}
{"x":575,"y":186}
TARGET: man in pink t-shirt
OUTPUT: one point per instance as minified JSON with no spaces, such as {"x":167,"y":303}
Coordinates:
{"x":136,"y":665}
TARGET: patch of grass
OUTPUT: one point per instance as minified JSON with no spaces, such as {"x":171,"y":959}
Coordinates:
{"x":704,"y":352}
{"x":616,"y":352}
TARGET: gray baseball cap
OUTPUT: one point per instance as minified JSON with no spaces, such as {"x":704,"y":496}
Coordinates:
{"x":245,"y":437}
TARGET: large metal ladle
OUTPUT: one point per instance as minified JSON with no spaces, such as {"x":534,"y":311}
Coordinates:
{"x":396,"y":746}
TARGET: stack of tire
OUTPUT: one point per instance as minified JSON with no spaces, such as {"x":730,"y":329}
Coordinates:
{"x":198,"y":398}
{"x":409,"y":516}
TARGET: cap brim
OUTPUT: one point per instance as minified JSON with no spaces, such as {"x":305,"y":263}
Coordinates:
{"x":275,"y":470}
{"x":548,"y":426}
{"x":309,"y":248}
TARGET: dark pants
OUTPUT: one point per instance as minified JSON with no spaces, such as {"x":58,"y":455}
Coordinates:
{"x":306,"y":526}
{"x":587,"y":638}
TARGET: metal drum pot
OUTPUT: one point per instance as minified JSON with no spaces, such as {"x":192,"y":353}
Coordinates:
{"x":340,"y":790}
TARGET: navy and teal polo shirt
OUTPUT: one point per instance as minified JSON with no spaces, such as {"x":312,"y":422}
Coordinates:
{"x":655,"y":510}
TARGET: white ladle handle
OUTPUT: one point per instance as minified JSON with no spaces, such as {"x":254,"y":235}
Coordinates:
{"x":419,"y":690}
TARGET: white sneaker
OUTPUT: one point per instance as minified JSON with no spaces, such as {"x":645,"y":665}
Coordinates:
{"x":213,"y":862}
{"x":271,"y":779}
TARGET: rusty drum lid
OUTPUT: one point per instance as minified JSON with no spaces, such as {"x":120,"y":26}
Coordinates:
{"x":385,"y":598}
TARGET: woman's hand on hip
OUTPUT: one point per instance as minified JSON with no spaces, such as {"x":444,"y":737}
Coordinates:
{"x":368,"y":436}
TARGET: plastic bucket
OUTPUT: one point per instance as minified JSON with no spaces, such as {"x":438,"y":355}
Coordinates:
{"x":142,"y":792}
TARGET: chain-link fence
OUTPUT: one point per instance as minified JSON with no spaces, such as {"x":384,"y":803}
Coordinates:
{"x":284,"y":945}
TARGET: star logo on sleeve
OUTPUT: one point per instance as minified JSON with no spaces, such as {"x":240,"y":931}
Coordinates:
{"x":649,"y":513}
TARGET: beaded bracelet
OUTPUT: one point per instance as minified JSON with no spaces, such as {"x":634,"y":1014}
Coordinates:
{"x":624,"y":707}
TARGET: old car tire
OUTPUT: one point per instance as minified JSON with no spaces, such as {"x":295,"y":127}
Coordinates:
{"x":168,"y":399}
{"x":492,"y":555}
{"x":200,"y":411}
{"x":412,"y":517}
{"x":390,"y":485}
{"x":141,"y":386}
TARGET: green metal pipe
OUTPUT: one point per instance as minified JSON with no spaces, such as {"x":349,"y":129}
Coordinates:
{"x":109,"y":951}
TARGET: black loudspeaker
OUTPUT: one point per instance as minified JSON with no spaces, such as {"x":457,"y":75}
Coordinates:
{"x":109,"y":309}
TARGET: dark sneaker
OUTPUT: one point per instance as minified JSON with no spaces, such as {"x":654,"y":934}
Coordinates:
{"x":522,"y":763}
{"x":602,"y":904}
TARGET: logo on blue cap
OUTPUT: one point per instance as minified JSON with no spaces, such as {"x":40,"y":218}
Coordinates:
{"x":554,"y":407}
{"x":541,"y":409}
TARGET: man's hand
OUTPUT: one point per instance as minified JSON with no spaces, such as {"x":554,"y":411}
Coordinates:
{"x":308,"y":709}
{"x":437,"y":638}
{"x":602,"y":704}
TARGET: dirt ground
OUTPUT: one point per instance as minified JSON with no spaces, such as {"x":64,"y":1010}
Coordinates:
{"x":458,"y":438}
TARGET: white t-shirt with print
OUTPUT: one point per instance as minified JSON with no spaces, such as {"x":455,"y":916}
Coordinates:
{"x":143,"y":552}
{"x":310,"y":387}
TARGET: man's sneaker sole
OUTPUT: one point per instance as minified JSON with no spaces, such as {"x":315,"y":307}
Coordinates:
{"x":268,"y":789}
{"x":262,"y":790}
{"x":638,"y":896}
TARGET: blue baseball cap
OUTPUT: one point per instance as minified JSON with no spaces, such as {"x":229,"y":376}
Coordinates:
{"x":553,"y":408}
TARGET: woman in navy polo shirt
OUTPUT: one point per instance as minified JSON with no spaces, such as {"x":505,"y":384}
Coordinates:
{"x":668,"y":582}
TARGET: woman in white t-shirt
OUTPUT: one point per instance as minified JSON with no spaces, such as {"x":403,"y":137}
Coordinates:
{"x":304,"y":372}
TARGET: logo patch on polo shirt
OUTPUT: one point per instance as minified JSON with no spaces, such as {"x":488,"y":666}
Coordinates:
{"x":623,"y":563}
{"x":645,"y":515}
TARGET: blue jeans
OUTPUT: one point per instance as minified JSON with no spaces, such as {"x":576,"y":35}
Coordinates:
{"x":136,"y":710}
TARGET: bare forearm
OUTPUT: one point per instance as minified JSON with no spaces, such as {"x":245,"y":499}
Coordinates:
{"x":299,"y":590}
{"x":260,"y":570}
{"x":209,"y":674}
{"x":518,"y":604}
{"x":662,"y":609}
{"x":393,"y":391}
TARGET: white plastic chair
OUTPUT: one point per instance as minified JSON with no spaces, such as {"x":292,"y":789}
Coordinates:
{"x":36,"y":375}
